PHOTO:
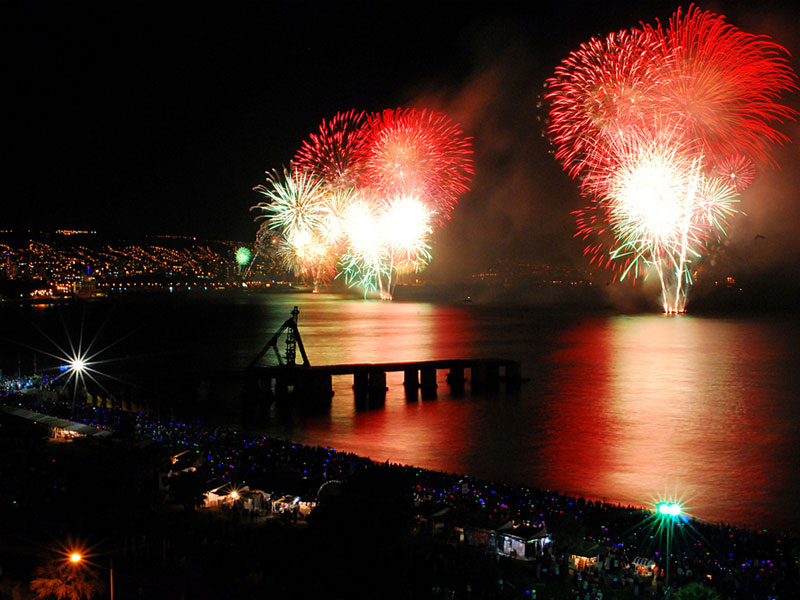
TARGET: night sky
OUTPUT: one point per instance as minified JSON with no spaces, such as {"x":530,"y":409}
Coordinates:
{"x":160,"y":117}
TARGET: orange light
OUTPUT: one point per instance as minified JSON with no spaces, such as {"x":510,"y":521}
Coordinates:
{"x":75,"y":557}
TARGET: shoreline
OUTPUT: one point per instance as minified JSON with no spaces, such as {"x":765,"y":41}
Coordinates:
{"x":724,"y":555}
{"x":105,"y":427}
{"x":105,"y":423}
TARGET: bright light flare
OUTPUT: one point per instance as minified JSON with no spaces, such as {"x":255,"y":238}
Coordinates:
{"x":652,"y":195}
{"x":406,"y":229}
{"x":363,"y":231}
{"x":669,"y":509}
{"x":74,"y":552}
{"x":406,"y":222}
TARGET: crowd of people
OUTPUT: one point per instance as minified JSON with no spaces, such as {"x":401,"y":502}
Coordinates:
{"x":738,"y":563}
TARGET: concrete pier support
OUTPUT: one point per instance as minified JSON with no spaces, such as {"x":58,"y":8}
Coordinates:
{"x":377,"y":388}
{"x":411,"y":378}
{"x":360,"y":386}
{"x":314,"y":387}
{"x":492,"y":376}
{"x":455,"y":378}
{"x":477,"y":376}
{"x":428,"y":382}
{"x":411,"y":384}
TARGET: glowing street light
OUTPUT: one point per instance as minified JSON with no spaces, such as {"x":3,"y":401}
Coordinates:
{"x":668,"y":513}
{"x":76,"y":558}
{"x":669,"y":509}
{"x":77,"y":364}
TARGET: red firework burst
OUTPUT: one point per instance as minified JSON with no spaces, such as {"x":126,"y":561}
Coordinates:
{"x":416,"y":152}
{"x":737,"y":170}
{"x":597,"y":92}
{"x":330,"y":153}
{"x":718,"y":84}
{"x":699,"y":96}
{"x":723,"y":82}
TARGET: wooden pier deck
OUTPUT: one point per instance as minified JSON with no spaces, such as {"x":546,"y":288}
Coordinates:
{"x":369,"y":379}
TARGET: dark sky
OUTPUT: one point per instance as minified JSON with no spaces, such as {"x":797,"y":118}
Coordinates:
{"x":160,"y":117}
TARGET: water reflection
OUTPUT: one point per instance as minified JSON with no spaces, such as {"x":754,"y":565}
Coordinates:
{"x":348,"y":331}
{"x":626,"y":408}
{"x":662,"y":405}
{"x":404,"y":429}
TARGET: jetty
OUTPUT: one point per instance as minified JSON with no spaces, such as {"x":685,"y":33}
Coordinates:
{"x":314,"y":384}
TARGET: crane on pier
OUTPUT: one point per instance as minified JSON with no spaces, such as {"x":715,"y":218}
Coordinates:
{"x":293,"y":341}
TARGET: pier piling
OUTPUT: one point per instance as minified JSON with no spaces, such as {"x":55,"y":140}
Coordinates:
{"x":310,"y":385}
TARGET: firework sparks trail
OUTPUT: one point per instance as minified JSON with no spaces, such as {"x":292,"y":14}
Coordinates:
{"x":363,"y":196}
{"x":737,"y":170}
{"x":266,"y":241}
{"x":663,"y":209}
{"x":295,"y":201}
{"x":664,"y":126}
{"x":304,"y":253}
{"x":723,"y":83}
{"x":419,"y":153}
{"x":386,"y":240}
{"x":330,"y":154}
{"x":297,"y":207}
{"x":365,"y":261}
{"x":405,"y":225}
{"x":596,"y":93}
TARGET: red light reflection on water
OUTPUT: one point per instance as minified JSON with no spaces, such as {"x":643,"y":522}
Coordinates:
{"x":659,"y":405}
{"x":409,"y":431}
{"x":626,"y":408}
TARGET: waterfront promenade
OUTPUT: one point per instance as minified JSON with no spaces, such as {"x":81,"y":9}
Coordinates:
{"x":736,"y":562}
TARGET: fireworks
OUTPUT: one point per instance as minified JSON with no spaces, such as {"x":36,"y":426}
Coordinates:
{"x":294,"y":203}
{"x":416,"y":153}
{"x":664,"y":126}
{"x":722,"y":83}
{"x":330,"y":154}
{"x":363,"y":195}
{"x":243,"y":256}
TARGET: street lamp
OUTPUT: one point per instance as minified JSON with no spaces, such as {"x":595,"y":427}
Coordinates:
{"x":76,"y":558}
{"x":76,"y":366}
{"x":668,"y":513}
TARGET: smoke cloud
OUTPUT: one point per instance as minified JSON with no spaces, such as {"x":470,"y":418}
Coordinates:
{"x":520,"y":203}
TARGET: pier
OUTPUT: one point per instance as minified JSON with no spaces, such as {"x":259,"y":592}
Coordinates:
{"x":315,"y":384}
